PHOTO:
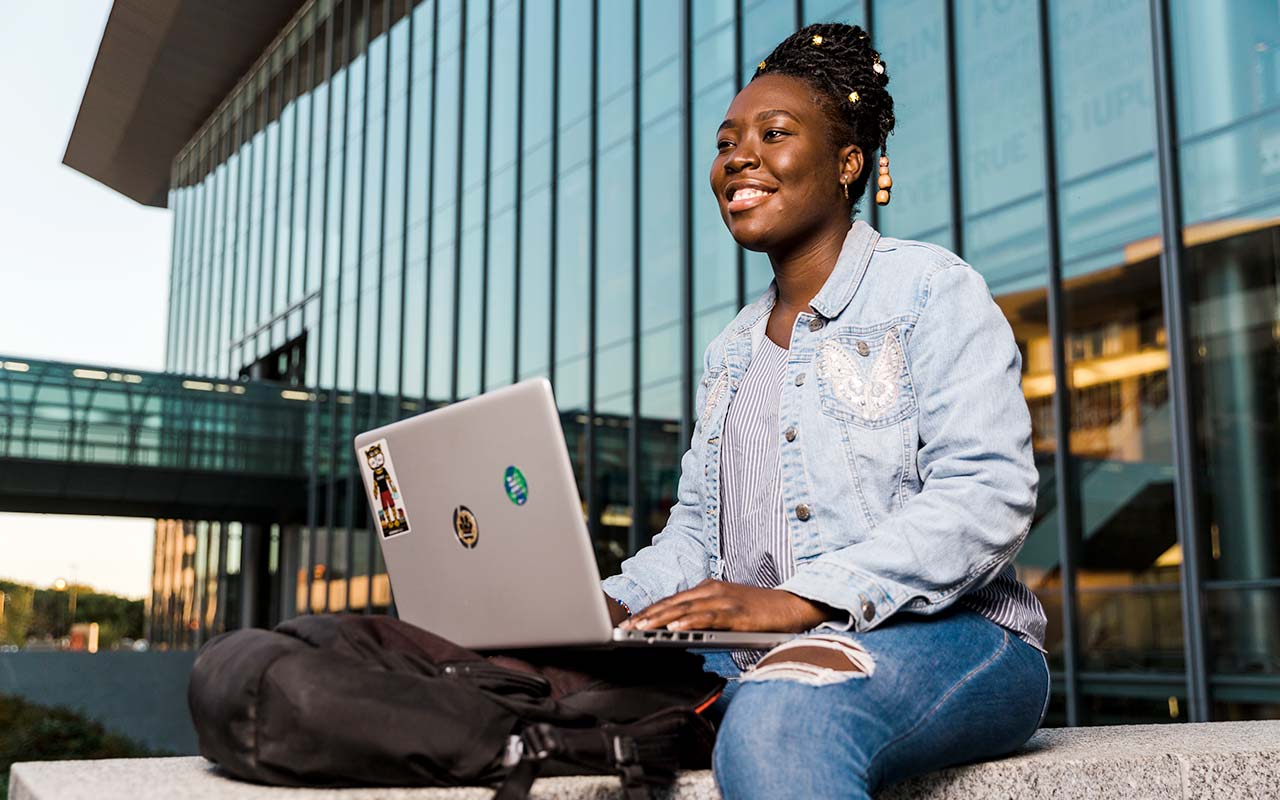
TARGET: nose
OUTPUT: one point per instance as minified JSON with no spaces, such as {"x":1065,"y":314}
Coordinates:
{"x":744,"y":156}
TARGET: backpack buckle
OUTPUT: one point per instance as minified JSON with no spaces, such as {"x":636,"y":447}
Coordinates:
{"x":540,"y":741}
{"x":624,"y":751}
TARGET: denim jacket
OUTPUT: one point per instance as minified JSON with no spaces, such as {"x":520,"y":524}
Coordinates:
{"x":905,"y":441}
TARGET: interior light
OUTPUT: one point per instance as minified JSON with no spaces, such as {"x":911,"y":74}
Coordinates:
{"x":199,"y":386}
{"x":90,"y":374}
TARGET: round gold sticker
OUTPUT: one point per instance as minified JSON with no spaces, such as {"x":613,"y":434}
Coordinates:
{"x":465,"y":527}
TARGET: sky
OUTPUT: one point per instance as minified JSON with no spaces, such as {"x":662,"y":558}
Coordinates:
{"x":83,"y":273}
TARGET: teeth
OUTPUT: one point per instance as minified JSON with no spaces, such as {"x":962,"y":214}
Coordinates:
{"x":745,"y":194}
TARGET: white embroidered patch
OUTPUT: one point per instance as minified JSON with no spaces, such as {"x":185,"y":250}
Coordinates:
{"x":870,"y":395}
{"x":713,"y":397}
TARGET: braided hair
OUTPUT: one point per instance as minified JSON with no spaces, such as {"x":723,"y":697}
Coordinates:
{"x":838,"y":61}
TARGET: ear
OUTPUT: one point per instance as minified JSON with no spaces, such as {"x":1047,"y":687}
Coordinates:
{"x":850,"y":160}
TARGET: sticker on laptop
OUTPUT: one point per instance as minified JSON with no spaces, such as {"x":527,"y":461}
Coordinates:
{"x":515,"y":484}
{"x":384,"y":489}
{"x":465,"y":527}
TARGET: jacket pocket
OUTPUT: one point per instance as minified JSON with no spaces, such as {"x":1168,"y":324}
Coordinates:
{"x":864,"y":377}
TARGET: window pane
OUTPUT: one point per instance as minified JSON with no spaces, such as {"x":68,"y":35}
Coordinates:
{"x":440,"y":342}
{"x":911,"y":39}
{"x":1225,"y":55}
{"x":534,"y":344}
{"x":1002,"y":155}
{"x":1117,"y":356}
{"x":847,"y":11}
{"x":661,"y":248}
{"x":500,"y":302}
{"x":419,"y":156}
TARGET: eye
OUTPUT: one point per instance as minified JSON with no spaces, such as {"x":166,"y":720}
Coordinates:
{"x":722,"y":144}
{"x":769,"y":134}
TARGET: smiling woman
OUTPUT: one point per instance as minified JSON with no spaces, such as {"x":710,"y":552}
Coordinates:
{"x":860,"y":471}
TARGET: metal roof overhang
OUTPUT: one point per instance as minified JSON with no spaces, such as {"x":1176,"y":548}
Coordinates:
{"x":162,"y":68}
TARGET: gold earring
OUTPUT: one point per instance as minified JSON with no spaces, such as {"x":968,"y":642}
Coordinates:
{"x":846,"y":189}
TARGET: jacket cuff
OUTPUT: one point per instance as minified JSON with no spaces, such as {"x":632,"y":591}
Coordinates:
{"x":864,"y":601}
{"x":628,"y":592}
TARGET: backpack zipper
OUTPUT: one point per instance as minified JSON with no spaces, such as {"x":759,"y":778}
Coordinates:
{"x":506,"y":679}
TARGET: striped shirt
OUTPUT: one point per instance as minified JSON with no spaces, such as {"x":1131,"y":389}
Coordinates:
{"x":754,"y":537}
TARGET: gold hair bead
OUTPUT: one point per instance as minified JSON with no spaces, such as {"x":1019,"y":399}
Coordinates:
{"x":854,"y":97}
{"x":817,"y":40}
{"x":760,"y":67}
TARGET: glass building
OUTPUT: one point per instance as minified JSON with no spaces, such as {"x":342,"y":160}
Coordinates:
{"x":403,"y":204}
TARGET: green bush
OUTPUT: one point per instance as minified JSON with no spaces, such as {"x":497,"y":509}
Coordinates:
{"x":30,"y":732}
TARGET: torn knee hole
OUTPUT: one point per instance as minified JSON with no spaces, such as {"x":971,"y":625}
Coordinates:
{"x":815,"y":660}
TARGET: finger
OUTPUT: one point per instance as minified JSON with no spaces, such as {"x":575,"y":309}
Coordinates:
{"x":664,"y":616}
{"x":664,"y":606}
{"x":706,"y":619}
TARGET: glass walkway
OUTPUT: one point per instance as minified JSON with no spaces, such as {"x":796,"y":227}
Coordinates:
{"x":96,"y":440}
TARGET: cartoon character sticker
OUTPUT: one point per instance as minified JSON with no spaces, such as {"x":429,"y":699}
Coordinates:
{"x":384,"y":489}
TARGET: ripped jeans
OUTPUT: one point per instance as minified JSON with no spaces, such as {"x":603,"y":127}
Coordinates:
{"x":939,"y":691}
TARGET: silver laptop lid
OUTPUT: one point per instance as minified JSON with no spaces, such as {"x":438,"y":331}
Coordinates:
{"x":482,"y":529}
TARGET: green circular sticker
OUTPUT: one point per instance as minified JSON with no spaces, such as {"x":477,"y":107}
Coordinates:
{"x":517,"y":489}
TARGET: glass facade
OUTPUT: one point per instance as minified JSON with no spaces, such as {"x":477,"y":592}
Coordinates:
{"x":408,"y":203}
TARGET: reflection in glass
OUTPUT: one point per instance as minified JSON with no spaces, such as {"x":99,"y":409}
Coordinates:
{"x":1129,"y":703}
{"x":1120,"y":440}
{"x":659,"y":240}
{"x":1117,"y":357}
{"x":846,"y":11}
{"x":1244,"y":632}
{"x":911,"y":38}
{"x":1002,"y":193}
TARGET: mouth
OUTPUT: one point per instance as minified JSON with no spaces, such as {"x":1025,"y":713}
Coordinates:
{"x":747,"y":195}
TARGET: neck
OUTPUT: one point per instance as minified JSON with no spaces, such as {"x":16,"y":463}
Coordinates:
{"x":802,"y":271}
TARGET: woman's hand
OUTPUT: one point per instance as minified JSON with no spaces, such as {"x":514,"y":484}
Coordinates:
{"x":722,"y":606}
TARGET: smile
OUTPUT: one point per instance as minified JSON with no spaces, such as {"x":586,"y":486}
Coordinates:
{"x":747,"y":197}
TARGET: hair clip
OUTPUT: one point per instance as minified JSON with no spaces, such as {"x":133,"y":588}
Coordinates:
{"x":817,"y":40}
{"x":854,"y":96}
{"x":877,"y":66}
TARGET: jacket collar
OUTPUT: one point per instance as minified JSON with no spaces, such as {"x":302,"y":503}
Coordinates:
{"x":840,"y":286}
{"x":851,"y":266}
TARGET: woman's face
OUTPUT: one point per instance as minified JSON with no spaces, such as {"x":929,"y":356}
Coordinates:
{"x":777,"y":173}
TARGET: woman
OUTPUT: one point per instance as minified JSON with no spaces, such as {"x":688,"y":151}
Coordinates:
{"x":860,"y":468}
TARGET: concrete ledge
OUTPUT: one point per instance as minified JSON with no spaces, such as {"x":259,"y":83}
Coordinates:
{"x":1138,"y":762}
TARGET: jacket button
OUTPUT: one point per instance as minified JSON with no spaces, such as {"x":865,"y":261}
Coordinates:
{"x":790,"y":433}
{"x":863,"y":348}
{"x":802,"y":512}
{"x":800,"y":379}
{"x":868,"y":610}
{"x":816,"y":324}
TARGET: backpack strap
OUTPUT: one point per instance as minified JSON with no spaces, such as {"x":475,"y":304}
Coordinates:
{"x":601,"y":749}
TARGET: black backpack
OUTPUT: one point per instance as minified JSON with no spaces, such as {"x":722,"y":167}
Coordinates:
{"x":342,"y":700}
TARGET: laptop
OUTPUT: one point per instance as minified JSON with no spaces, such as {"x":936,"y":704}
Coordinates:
{"x":483,"y":533}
